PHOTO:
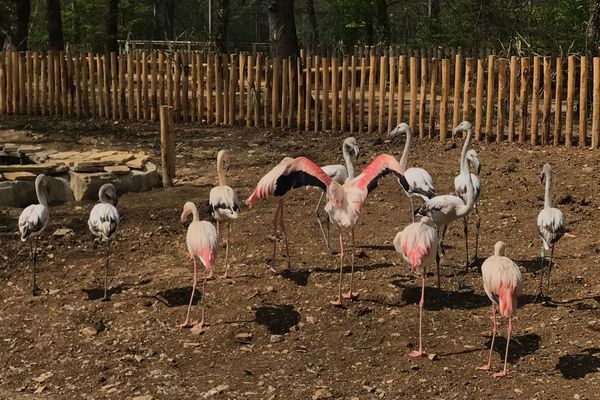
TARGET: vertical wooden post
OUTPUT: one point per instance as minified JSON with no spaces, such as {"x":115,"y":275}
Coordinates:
{"x":352,"y":116}
{"x":558,"y":102}
{"x":479,"y":99}
{"x":210,"y":66}
{"x":413,"y":94}
{"x":9,"y":79}
{"x":457,"y":79}
{"x":185,"y":86}
{"x":169,"y":95}
{"x":570,"y":101}
{"x":242,"y":87}
{"x":489,"y":109}
{"x":343,"y":117}
{"x":233,"y":59}
{"x":29,"y":83}
{"x":596,"y":105}
{"x":85,"y":82}
{"x":115,"y":93}
{"x":401,"y":85}
{"x":176,"y":86}
{"x":100,"y":72}
{"x":154,"y":87}
{"x":193,"y":86}
{"x":130,"y":94}
{"x":219,"y":88}
{"x":69,"y":82}
{"x":92,"y":87}
{"x":512,"y":95}
{"x":201,"y":85}
{"x":22,"y":84}
{"x":372,"y":74}
{"x":501,"y":98}
{"x":138,"y":85}
{"x":308,"y":96}
{"x":523,"y":101}
{"x":77,"y":71}
{"x":275,"y":92}
{"x":422,"y":97}
{"x":361,"y":94}
{"x":107,"y":80}
{"x":267,"y":91}
{"x":444,"y":100}
{"x":383,"y":62}
{"x":225,"y":68}
{"x":583,"y":82}
{"x":547,"y":101}
{"x":257,"y":90}
{"x":13,"y":84}
{"x":249,"y":92}
{"x":535,"y":100}
{"x":292,"y":90}
{"x":390,"y":112}
{"x":466,"y":114}
{"x":2,"y":84}
{"x":325,"y":103}
{"x":300,"y":92}
{"x":167,"y":145}
{"x":334,"y":93}
{"x":433,"y":97}
{"x":161,"y":85}
{"x":36,"y":82}
{"x":284,"y":90}
{"x":50,"y":81}
{"x":122,"y":85}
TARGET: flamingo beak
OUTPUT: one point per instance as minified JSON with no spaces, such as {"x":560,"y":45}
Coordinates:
{"x":356,"y":151}
{"x":478,"y":166}
{"x":542,"y":176}
{"x":393,"y":134}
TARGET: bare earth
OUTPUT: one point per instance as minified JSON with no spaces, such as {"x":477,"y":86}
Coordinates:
{"x":65,"y":343}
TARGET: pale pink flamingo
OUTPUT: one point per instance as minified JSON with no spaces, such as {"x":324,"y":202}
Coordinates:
{"x":202,"y":243}
{"x":224,"y":203}
{"x":33,"y":221}
{"x":460,"y":188}
{"x":103,"y":223}
{"x":344,"y":202}
{"x":502,"y":283}
{"x":418,"y":244}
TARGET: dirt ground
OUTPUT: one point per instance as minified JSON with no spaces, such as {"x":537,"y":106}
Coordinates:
{"x":275,"y":336}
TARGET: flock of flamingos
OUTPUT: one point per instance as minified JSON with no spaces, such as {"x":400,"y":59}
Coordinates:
{"x":419,"y":244}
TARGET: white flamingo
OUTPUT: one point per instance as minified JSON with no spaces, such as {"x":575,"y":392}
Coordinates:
{"x":224,"y":203}
{"x":551,"y":227}
{"x":33,"y":221}
{"x":340,"y":174}
{"x":419,"y":181}
{"x":445,"y":209}
{"x":104,"y":222}
{"x":460,"y":188}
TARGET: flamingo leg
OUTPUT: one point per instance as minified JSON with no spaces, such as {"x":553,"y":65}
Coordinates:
{"x":226,"y":274}
{"x":186,"y":323}
{"x":412,"y":208}
{"x":541,"y":290}
{"x":350,"y":294}
{"x":202,"y":323}
{"x":338,"y":301}
{"x":218,"y":229}
{"x":32,"y":258}
{"x":550,"y":264}
{"x":477,"y":226}
{"x":106,"y":261}
{"x":318,"y":217}
{"x":285,"y":239}
{"x":494,"y":326}
{"x":508,"y":333}
{"x":466,"y":229}
{"x":275,"y":226}
{"x":421,"y":353}
{"x":437,"y":269}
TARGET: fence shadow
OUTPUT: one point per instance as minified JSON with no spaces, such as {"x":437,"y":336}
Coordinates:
{"x":577,"y":366}
{"x":277,"y":318}
{"x":177,"y":297}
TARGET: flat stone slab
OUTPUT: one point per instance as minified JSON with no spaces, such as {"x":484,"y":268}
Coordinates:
{"x":117,"y":169}
{"x":30,"y":148}
{"x":91,"y":166}
{"x":19,"y":176}
{"x":43,"y":168}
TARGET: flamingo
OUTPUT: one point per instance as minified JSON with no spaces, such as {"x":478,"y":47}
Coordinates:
{"x":104,"y":222}
{"x":551,"y":227}
{"x":448,"y":208}
{"x":502,"y":283}
{"x":419,"y":181}
{"x":418,"y":245}
{"x":460,"y":188}
{"x":344,"y":202}
{"x":202,"y":243}
{"x":224,"y":203}
{"x":33,"y":221}
{"x":340,"y":174}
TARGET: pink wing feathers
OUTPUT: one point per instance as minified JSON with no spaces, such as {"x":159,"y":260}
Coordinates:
{"x":382,"y":165}
{"x":502,"y":282}
{"x":290,"y":173}
{"x":417,"y":243}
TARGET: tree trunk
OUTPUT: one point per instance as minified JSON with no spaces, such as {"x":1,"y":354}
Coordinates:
{"x":592,"y":39}
{"x":223,"y":25}
{"x":383,"y":22}
{"x":54,"y":25}
{"x":112,"y":14}
{"x":164,"y":15}
{"x":21,"y":10}
{"x":312,"y":18}
{"x":282,"y":28}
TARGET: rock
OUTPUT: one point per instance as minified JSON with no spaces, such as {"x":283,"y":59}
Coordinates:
{"x":214,"y":391}
{"x":433,"y":356}
{"x":244,"y":337}
{"x":19,"y":176}
{"x":43,"y":168}
{"x":88,"y":331}
{"x":43,"y":377}
{"x":322,"y":393}
{"x":120,"y":158}
{"x":117,"y":169}
{"x":29,"y":148}
{"x":63,"y":155}
{"x":41,"y":156}
{"x":143,"y":397}
{"x":138,"y":162}
{"x":91,"y":166}
{"x":311,"y":320}
{"x":61,"y":232}
{"x":276,"y":338}
{"x":187,"y":345}
{"x":196,"y":329}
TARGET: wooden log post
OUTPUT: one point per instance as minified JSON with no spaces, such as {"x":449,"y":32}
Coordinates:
{"x":558,"y":102}
{"x":23,"y":84}
{"x":201,"y":86}
{"x":257,"y":90}
{"x":114,"y":85}
{"x":412,"y":116}
{"x":361,"y":94}
{"x":292,"y":90}
{"x":250,"y":89}
{"x":100,"y":85}
{"x":433,"y":97}
{"x":106,"y":84}
{"x":523,"y":101}
{"x":334,"y":93}
{"x":457,"y":85}
{"x":285,"y":91}
{"x":218,"y":76}
{"x":489,"y":109}
{"x":300,"y":92}
{"x":210,"y":75}
{"x":596,"y":105}
{"x":547,"y":101}
{"x":130,"y":94}
{"x":401,"y":89}
{"x":43,"y":85}
{"x":352,"y":116}
{"x":479,"y":99}
{"x":233,"y":74}
{"x":392,"y":90}
{"x":177,"y":64}
{"x":512,"y":96}
{"x":36,"y":83}
{"x":444,"y":99}
{"x":344,"y":102}
{"x":29,"y":83}
{"x":2,"y":84}
{"x":501,"y":99}
{"x":161,"y":85}
{"x":467,"y":91}
{"x":422,"y":97}
{"x":153,"y":88}
{"x":583,"y":83}
{"x":372,"y":75}
{"x":570,"y":101}
{"x":167,"y":145}
{"x":308,"y":96}
{"x":535,"y":100}
{"x":383,"y":63}
{"x":317,"y":98}
{"x":77,"y":77}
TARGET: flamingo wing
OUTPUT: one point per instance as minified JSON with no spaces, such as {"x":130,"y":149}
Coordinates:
{"x":551,"y":226}
{"x":290,"y":173}
{"x":33,"y":220}
{"x":104,"y":221}
{"x":224,"y":202}
{"x":338,"y":173}
{"x":203,"y":242}
{"x":382,"y":165}
{"x":420,"y":183}
{"x":502,"y":282}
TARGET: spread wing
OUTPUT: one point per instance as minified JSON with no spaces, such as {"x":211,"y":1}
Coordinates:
{"x":381,"y":166}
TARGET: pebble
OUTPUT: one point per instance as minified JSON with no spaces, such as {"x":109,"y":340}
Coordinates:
{"x":276,"y":338}
{"x":244,"y":337}
{"x":433,"y":356}
{"x":322,"y":393}
{"x":197,"y":330}
{"x":63,"y":232}
{"x":144,"y":397}
{"x":89,"y":331}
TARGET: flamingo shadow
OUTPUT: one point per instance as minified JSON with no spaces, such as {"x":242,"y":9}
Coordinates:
{"x":577,"y":366}
{"x":376,"y":246}
{"x":531,"y":265}
{"x":277,"y":318}
{"x":177,"y":297}
{"x":520,"y":346}
{"x":300,"y":278}
{"x":98,"y":293}
{"x":438,"y":299}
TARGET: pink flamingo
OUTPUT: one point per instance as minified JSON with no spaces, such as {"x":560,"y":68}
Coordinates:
{"x":502,"y":283}
{"x":344,"y":202}
{"x":202,"y":243}
{"x":418,"y":245}
{"x":224,"y":203}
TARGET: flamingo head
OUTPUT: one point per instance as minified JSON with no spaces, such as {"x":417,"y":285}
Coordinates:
{"x":400,"y":128}
{"x":463,"y":126}
{"x":499,"y":248}
{"x":473,"y":158}
{"x":546,"y":171}
{"x":352,"y":144}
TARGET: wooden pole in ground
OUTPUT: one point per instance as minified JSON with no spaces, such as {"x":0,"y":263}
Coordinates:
{"x":92,"y":74}
{"x":249,"y":90}
{"x":479,"y":99}
{"x":558,"y":102}
{"x":512,"y":95}
{"x":154,"y":87}
{"x":233,"y":74}
{"x":383,"y":63}
{"x":432,"y":97}
{"x":570,"y":101}
{"x":100,"y":81}
{"x":596,"y":105}
{"x":467,"y":91}
{"x":77,"y":77}
{"x":523,"y":101}
{"x":43,"y":84}
{"x":284,"y":90}
{"x":401,"y":88}
{"x":535,"y":101}
{"x":106,"y":85}
{"x":334,"y":93}
{"x":218,"y":71}
{"x":193,"y":86}
{"x":29,"y":90}
{"x":325,"y":103}
{"x":23,"y":85}
{"x":2,"y":84}
{"x":444,"y":100}
{"x":489,"y":109}
{"x":344,"y":103}
{"x":242,"y":88}
{"x":361,"y":94}
{"x":257,"y":90}
{"x":501,"y":98}
{"x":392,"y":91}
{"x":292,"y":89}
{"x":308,"y":95}
{"x":583,"y":82}
{"x":161,"y":85}
{"x":57,"y":82}
{"x":130,"y":94}
{"x":372,"y":74}
{"x":36,"y":83}
{"x":114,"y":85}
{"x":177,"y":114}
{"x":352,"y":116}
{"x":300,"y":62}
{"x":85,"y":93}
{"x":547,"y":101}
{"x":412,"y":116}
{"x":422,"y":97}
{"x":457,"y":79}
{"x":210,"y":68}
{"x":201,"y":85}
{"x":168,"y":81}
{"x":167,"y":145}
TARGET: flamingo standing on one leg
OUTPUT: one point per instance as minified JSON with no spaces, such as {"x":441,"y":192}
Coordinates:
{"x":33,"y":221}
{"x":340,"y":174}
{"x":418,"y":244}
{"x":551,"y":227}
{"x":502,"y":283}
{"x":103,"y":223}
{"x":460,"y":188}
{"x":224,"y":203}
{"x":344,"y":202}
{"x":419,"y":181}
{"x":202,"y":243}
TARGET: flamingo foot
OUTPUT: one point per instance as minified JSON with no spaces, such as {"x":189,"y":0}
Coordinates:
{"x":350,"y":295}
{"x":186,"y":324}
{"x":337,"y":302}
{"x":500,"y":374}
{"x":485,"y":367}
{"x":416,"y":353}
{"x":209,"y":276}
{"x":225,"y":276}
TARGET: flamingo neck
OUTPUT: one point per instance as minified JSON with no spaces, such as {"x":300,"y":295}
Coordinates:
{"x":102,"y":195}
{"x":195,"y":214}
{"x":349,"y":162}
{"x":220,"y":169}
{"x":41,"y":192}
{"x":464,"y":170}
{"x":406,"y":151}
{"x":548,"y":194}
